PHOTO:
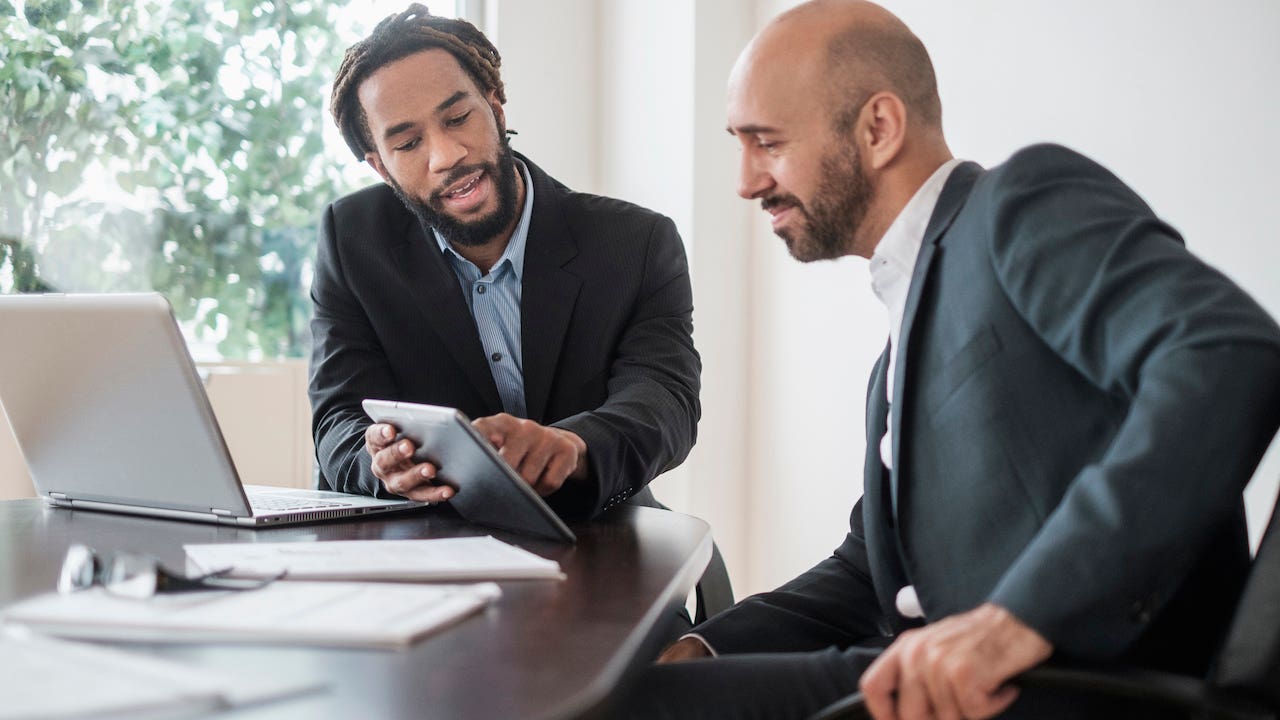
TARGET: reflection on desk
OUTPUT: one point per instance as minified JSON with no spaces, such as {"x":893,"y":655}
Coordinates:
{"x":545,"y":650}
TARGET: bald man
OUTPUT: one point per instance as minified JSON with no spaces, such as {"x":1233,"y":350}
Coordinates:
{"x":1058,"y":431}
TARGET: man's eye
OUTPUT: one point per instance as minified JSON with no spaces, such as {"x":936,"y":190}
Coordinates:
{"x":456,"y":121}
{"x":766,"y":145}
{"x":409,"y":145}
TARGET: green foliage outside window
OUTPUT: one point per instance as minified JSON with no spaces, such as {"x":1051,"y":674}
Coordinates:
{"x":172,"y":145}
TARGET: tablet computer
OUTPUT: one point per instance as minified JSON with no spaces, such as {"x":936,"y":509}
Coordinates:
{"x":489,"y":492}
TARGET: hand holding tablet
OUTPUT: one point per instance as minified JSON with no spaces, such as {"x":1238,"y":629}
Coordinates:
{"x":479,"y":483}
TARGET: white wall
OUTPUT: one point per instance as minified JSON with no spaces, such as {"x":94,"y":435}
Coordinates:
{"x":626,"y":98}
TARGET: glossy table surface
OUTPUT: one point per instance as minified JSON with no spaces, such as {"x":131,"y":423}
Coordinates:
{"x":546,"y":649}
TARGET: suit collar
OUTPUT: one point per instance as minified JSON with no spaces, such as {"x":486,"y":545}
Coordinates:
{"x":953,"y":197}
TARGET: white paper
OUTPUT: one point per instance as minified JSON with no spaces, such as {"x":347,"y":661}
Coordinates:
{"x":309,"y":613}
{"x":447,"y":559}
{"x":45,"y":678}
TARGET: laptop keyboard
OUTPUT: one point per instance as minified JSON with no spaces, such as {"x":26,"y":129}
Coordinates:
{"x":279,"y":503}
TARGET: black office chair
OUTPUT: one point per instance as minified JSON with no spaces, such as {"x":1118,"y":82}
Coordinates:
{"x":1244,"y":683}
{"x":714,"y":592}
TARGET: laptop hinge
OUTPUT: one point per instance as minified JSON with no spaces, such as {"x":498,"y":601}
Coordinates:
{"x":59,"y":496}
{"x":221,"y":512}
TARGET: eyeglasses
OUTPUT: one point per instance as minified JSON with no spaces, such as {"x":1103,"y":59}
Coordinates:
{"x":140,"y":576}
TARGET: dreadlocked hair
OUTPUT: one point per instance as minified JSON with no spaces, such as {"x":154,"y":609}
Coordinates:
{"x":399,"y":36}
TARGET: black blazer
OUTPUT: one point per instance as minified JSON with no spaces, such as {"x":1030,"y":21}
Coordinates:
{"x":606,"y":323}
{"x":1082,"y":403}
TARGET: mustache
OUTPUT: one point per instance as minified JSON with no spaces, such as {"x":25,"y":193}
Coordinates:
{"x":457,"y":174}
{"x":779,"y":201}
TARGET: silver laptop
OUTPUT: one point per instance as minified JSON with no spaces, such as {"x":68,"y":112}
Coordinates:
{"x":110,"y":415}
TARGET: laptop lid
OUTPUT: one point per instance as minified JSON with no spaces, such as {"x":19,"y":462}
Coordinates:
{"x":110,"y":414}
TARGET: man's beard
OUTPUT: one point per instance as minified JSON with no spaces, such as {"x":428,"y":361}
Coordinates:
{"x":838,"y":208}
{"x":470,"y":233}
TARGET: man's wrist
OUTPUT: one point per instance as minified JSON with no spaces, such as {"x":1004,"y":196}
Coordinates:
{"x":711,"y":652}
{"x":581,"y":470}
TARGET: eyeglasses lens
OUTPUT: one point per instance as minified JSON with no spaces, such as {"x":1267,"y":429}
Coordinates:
{"x":129,"y":575}
{"x":79,"y":569}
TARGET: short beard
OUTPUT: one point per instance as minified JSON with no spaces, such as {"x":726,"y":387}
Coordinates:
{"x":839,"y":207}
{"x":476,"y":232}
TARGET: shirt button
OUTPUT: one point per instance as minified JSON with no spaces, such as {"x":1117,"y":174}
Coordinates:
{"x":480,"y":289}
{"x":908,"y":603}
{"x":496,"y":357}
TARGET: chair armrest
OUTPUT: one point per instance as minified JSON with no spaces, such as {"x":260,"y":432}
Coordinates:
{"x":1177,"y":692}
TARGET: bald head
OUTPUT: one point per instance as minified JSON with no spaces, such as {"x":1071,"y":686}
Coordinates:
{"x":848,"y":50}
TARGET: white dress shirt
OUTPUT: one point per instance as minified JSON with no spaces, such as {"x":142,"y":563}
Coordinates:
{"x":891,"y":266}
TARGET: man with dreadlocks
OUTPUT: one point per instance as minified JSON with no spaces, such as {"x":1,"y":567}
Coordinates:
{"x":472,"y":279}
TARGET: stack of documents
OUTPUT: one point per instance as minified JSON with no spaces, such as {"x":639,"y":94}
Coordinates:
{"x":309,"y":613}
{"x":449,"y":559}
{"x":45,"y":678}
{"x":315,"y":603}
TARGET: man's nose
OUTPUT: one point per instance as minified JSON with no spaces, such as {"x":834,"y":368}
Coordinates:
{"x":753,"y":181}
{"x":445,"y":154}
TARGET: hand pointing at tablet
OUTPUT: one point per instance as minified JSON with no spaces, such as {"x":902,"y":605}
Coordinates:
{"x":543,"y":456}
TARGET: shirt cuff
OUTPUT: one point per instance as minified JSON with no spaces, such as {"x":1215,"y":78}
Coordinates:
{"x":704,"y":642}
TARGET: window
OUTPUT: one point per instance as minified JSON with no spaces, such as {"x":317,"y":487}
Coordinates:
{"x":182,"y":146}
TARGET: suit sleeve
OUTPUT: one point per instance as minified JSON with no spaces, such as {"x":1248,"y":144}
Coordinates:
{"x":832,"y":604}
{"x":1196,"y":362}
{"x":348,"y":365}
{"x":648,"y":422}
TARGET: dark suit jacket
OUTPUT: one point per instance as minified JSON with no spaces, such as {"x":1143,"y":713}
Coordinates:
{"x":1082,"y":403}
{"x":605,"y":324}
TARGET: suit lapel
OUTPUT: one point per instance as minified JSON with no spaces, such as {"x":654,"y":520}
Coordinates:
{"x":953,"y":197}
{"x":434,"y":288}
{"x":549,"y":290}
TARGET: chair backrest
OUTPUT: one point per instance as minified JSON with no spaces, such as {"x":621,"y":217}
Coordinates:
{"x":1249,"y":662}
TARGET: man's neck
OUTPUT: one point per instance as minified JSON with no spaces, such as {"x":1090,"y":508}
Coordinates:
{"x":897,"y":190}
{"x":485,"y":256}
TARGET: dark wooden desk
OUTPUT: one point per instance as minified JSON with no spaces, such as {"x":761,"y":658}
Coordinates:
{"x":545,"y":650}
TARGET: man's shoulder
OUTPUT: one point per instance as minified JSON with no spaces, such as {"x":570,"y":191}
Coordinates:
{"x":1043,"y":161}
{"x":582,"y":207}
{"x":590,"y":212}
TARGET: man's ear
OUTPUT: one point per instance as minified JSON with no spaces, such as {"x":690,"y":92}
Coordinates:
{"x":882,"y":129}
{"x":498,"y":113}
{"x":375,"y":161}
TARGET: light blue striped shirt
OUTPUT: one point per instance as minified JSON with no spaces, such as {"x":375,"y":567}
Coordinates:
{"x":494,"y":301}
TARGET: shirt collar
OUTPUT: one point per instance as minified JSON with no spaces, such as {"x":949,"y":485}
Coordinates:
{"x":896,"y":252}
{"x":513,"y":255}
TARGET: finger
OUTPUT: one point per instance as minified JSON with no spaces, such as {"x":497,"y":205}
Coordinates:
{"x":939,"y":684}
{"x":378,"y":436}
{"x":999,"y":701}
{"x":514,"y":449}
{"x":404,"y":482}
{"x":393,"y":459}
{"x":430,"y":493}
{"x":913,"y":696}
{"x":553,"y":477}
{"x":975,"y":703}
{"x":878,"y":684}
{"x":533,"y":465}
{"x":496,"y":428}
